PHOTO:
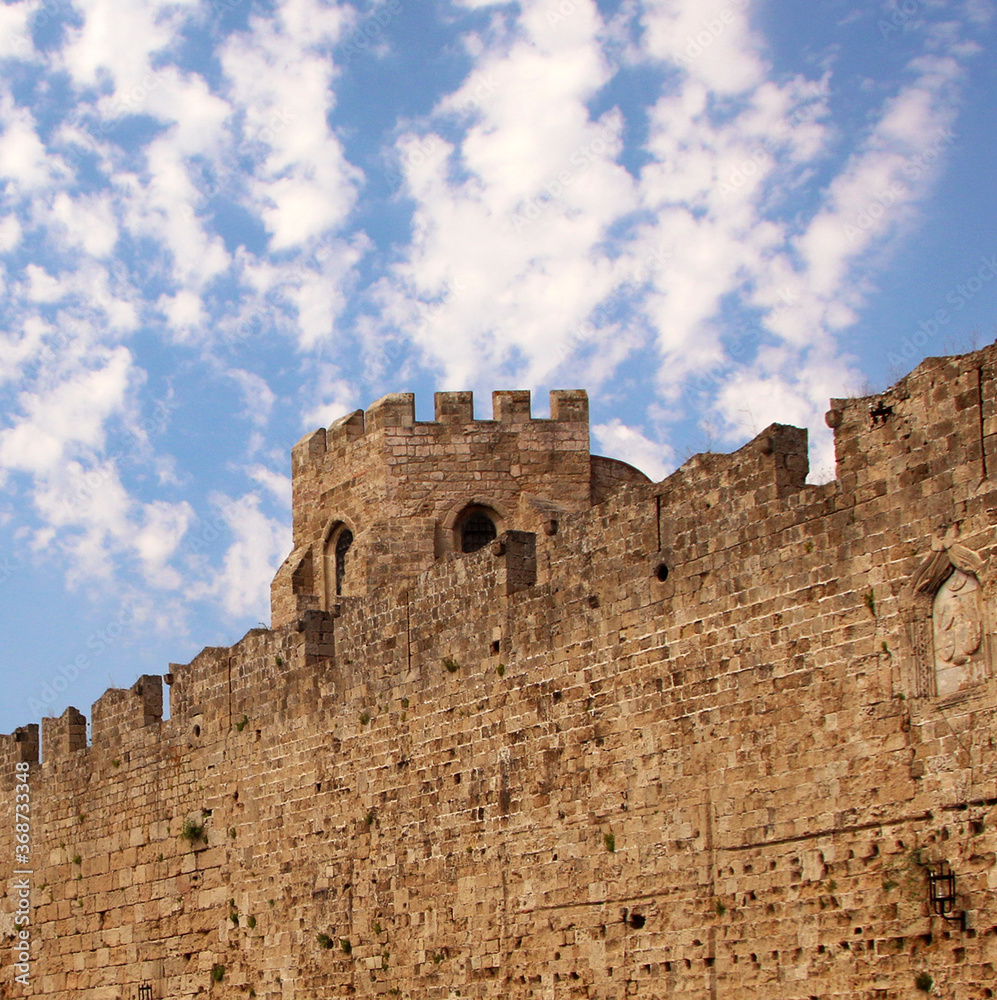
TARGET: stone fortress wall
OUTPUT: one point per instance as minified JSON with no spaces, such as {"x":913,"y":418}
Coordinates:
{"x":701,"y":739}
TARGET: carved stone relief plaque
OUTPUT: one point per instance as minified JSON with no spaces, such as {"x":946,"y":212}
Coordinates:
{"x":957,"y":618}
{"x":947,"y":618}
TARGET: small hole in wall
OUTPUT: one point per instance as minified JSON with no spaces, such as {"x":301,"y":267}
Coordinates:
{"x":318,"y":786}
{"x":197,"y":730}
{"x":637,"y":920}
{"x":235,"y":796}
{"x":661,"y":572}
{"x":496,"y":646}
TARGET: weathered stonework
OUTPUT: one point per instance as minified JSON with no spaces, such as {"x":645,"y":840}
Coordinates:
{"x":698,"y":739}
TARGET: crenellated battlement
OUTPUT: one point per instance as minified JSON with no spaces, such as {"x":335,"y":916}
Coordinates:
{"x":411,"y":480}
{"x":64,"y":736}
{"x":527,"y":722}
{"x":21,"y":746}
{"x":391,"y":494}
{"x":120,"y":711}
{"x":396,"y":412}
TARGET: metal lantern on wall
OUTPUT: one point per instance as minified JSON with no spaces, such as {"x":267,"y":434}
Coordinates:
{"x":941,"y":889}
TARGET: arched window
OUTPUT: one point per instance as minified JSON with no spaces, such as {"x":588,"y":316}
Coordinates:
{"x":477,"y":529}
{"x":343,"y":543}
{"x":339,"y":573}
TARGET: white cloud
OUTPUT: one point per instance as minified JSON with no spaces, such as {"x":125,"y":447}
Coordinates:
{"x":15,"y":34}
{"x":184,"y":312}
{"x":725,"y":144}
{"x":24,"y":161}
{"x":277,"y":485}
{"x":617,"y":440}
{"x":10,"y":233}
{"x":86,"y":515}
{"x":117,"y":39}
{"x":304,"y":297}
{"x":86,"y":293}
{"x":504,"y":267}
{"x":338,"y":397}
{"x":67,"y":416}
{"x":20,"y":346}
{"x":257,"y":397}
{"x":165,"y":208}
{"x":512,"y":266}
{"x":86,"y":222}
{"x":162,"y":529}
{"x":280,"y":76}
{"x":781,"y":387}
{"x":259,"y":543}
{"x":710,"y":39}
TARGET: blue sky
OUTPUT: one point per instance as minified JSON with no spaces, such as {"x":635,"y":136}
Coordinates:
{"x":224,"y":224}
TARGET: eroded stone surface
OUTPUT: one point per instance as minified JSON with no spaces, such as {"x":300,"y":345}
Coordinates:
{"x":663,"y":740}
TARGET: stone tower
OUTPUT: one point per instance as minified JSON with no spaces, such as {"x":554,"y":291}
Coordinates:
{"x":380,"y":496}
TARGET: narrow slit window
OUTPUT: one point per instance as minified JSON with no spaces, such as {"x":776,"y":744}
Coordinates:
{"x":343,"y":543}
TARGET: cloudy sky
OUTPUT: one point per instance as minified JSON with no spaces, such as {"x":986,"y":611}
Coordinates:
{"x":225,"y":223}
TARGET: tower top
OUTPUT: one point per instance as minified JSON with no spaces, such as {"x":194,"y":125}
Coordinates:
{"x":379,"y":496}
